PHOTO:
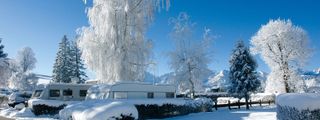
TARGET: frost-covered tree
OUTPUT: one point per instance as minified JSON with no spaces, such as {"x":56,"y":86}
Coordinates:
{"x":22,"y":78}
{"x":5,"y":72}
{"x":190,"y":57}
{"x":77,"y":67}
{"x":243,"y":75}
{"x":26,"y":59}
{"x":62,"y":66}
{"x":282,"y":46}
{"x":114,"y":45}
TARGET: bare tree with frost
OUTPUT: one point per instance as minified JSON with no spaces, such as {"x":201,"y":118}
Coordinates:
{"x":114,"y":45}
{"x":191,"y":57}
{"x":22,"y":78}
{"x":282,"y":46}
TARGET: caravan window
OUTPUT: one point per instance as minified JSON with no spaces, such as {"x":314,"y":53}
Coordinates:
{"x":54,"y":93}
{"x":37,"y":93}
{"x":83,"y":93}
{"x":67,"y":92}
{"x":169,"y":95}
{"x":150,"y":95}
{"x":120,"y":95}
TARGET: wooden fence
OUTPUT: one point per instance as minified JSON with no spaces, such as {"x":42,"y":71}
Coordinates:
{"x":238,"y":104}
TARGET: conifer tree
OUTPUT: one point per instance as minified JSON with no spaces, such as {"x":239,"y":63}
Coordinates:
{"x":78,"y":69}
{"x":62,"y":66}
{"x":2,"y":54}
{"x":243,"y":74}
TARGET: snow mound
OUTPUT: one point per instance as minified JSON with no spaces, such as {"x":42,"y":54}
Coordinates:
{"x":300,"y":101}
{"x":98,"y":110}
{"x":25,"y":112}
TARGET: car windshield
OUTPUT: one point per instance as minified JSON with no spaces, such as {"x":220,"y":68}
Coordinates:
{"x":37,"y":93}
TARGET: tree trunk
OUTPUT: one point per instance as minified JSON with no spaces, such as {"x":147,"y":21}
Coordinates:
{"x":286,"y":76}
{"x":247,"y":104}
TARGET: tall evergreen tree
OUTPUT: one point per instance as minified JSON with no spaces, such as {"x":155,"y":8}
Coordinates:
{"x":243,"y":74}
{"x":62,"y":66}
{"x":2,"y":54}
{"x":78,"y":69}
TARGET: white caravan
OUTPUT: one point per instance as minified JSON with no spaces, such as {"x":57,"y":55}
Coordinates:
{"x":131,"y":90}
{"x":61,"y":91}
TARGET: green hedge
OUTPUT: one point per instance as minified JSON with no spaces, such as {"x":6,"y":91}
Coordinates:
{"x":291,"y":113}
{"x":42,"y":109}
{"x":154,"y":111}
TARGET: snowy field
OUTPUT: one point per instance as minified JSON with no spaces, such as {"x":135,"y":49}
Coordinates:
{"x":255,"y":113}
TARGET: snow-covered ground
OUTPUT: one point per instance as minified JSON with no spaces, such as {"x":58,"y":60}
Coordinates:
{"x":255,"y":113}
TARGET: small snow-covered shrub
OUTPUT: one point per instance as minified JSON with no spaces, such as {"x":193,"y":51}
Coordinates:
{"x":262,"y":97}
{"x":298,"y":106}
{"x":225,"y":100}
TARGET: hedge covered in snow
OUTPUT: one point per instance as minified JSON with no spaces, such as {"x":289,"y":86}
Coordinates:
{"x":298,"y":106}
{"x":134,"y":108}
{"x":156,"y":111}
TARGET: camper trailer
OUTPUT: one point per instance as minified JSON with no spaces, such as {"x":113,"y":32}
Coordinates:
{"x":131,"y":90}
{"x":64,"y":92}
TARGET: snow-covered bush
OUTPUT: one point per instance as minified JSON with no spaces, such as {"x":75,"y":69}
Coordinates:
{"x":156,"y":111}
{"x":225,"y":100}
{"x":46,"y":107}
{"x":298,"y":106}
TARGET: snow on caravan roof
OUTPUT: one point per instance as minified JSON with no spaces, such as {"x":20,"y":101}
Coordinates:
{"x":132,"y":87}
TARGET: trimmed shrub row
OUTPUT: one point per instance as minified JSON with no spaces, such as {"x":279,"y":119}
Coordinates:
{"x":291,"y":113}
{"x":42,"y":109}
{"x":154,"y":111}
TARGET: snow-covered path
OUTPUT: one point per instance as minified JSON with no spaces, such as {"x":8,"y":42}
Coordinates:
{"x":255,"y":113}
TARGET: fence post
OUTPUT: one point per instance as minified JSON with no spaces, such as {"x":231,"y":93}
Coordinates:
{"x":216,"y":105}
{"x":260,"y":102}
{"x":229,"y":104}
{"x":269,"y":102}
{"x":250,"y":103}
{"x":238,"y":104}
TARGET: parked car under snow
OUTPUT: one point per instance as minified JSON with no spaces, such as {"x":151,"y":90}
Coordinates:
{"x":18,"y":97}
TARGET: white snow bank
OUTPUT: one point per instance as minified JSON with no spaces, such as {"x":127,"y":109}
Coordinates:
{"x":25,"y":112}
{"x":13,"y":113}
{"x":8,"y":112}
{"x":98,"y":110}
{"x":262,"y":97}
{"x":300,"y":101}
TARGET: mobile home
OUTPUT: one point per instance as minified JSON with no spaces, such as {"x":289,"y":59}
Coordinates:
{"x":131,"y":90}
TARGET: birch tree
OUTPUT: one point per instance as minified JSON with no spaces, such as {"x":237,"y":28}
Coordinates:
{"x":191,"y":57}
{"x":114,"y":45}
{"x":283,"y":46}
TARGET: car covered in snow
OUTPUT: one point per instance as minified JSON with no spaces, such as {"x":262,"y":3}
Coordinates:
{"x":18,"y":97}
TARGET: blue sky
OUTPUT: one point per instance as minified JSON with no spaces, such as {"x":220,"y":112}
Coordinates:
{"x":41,"y":24}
